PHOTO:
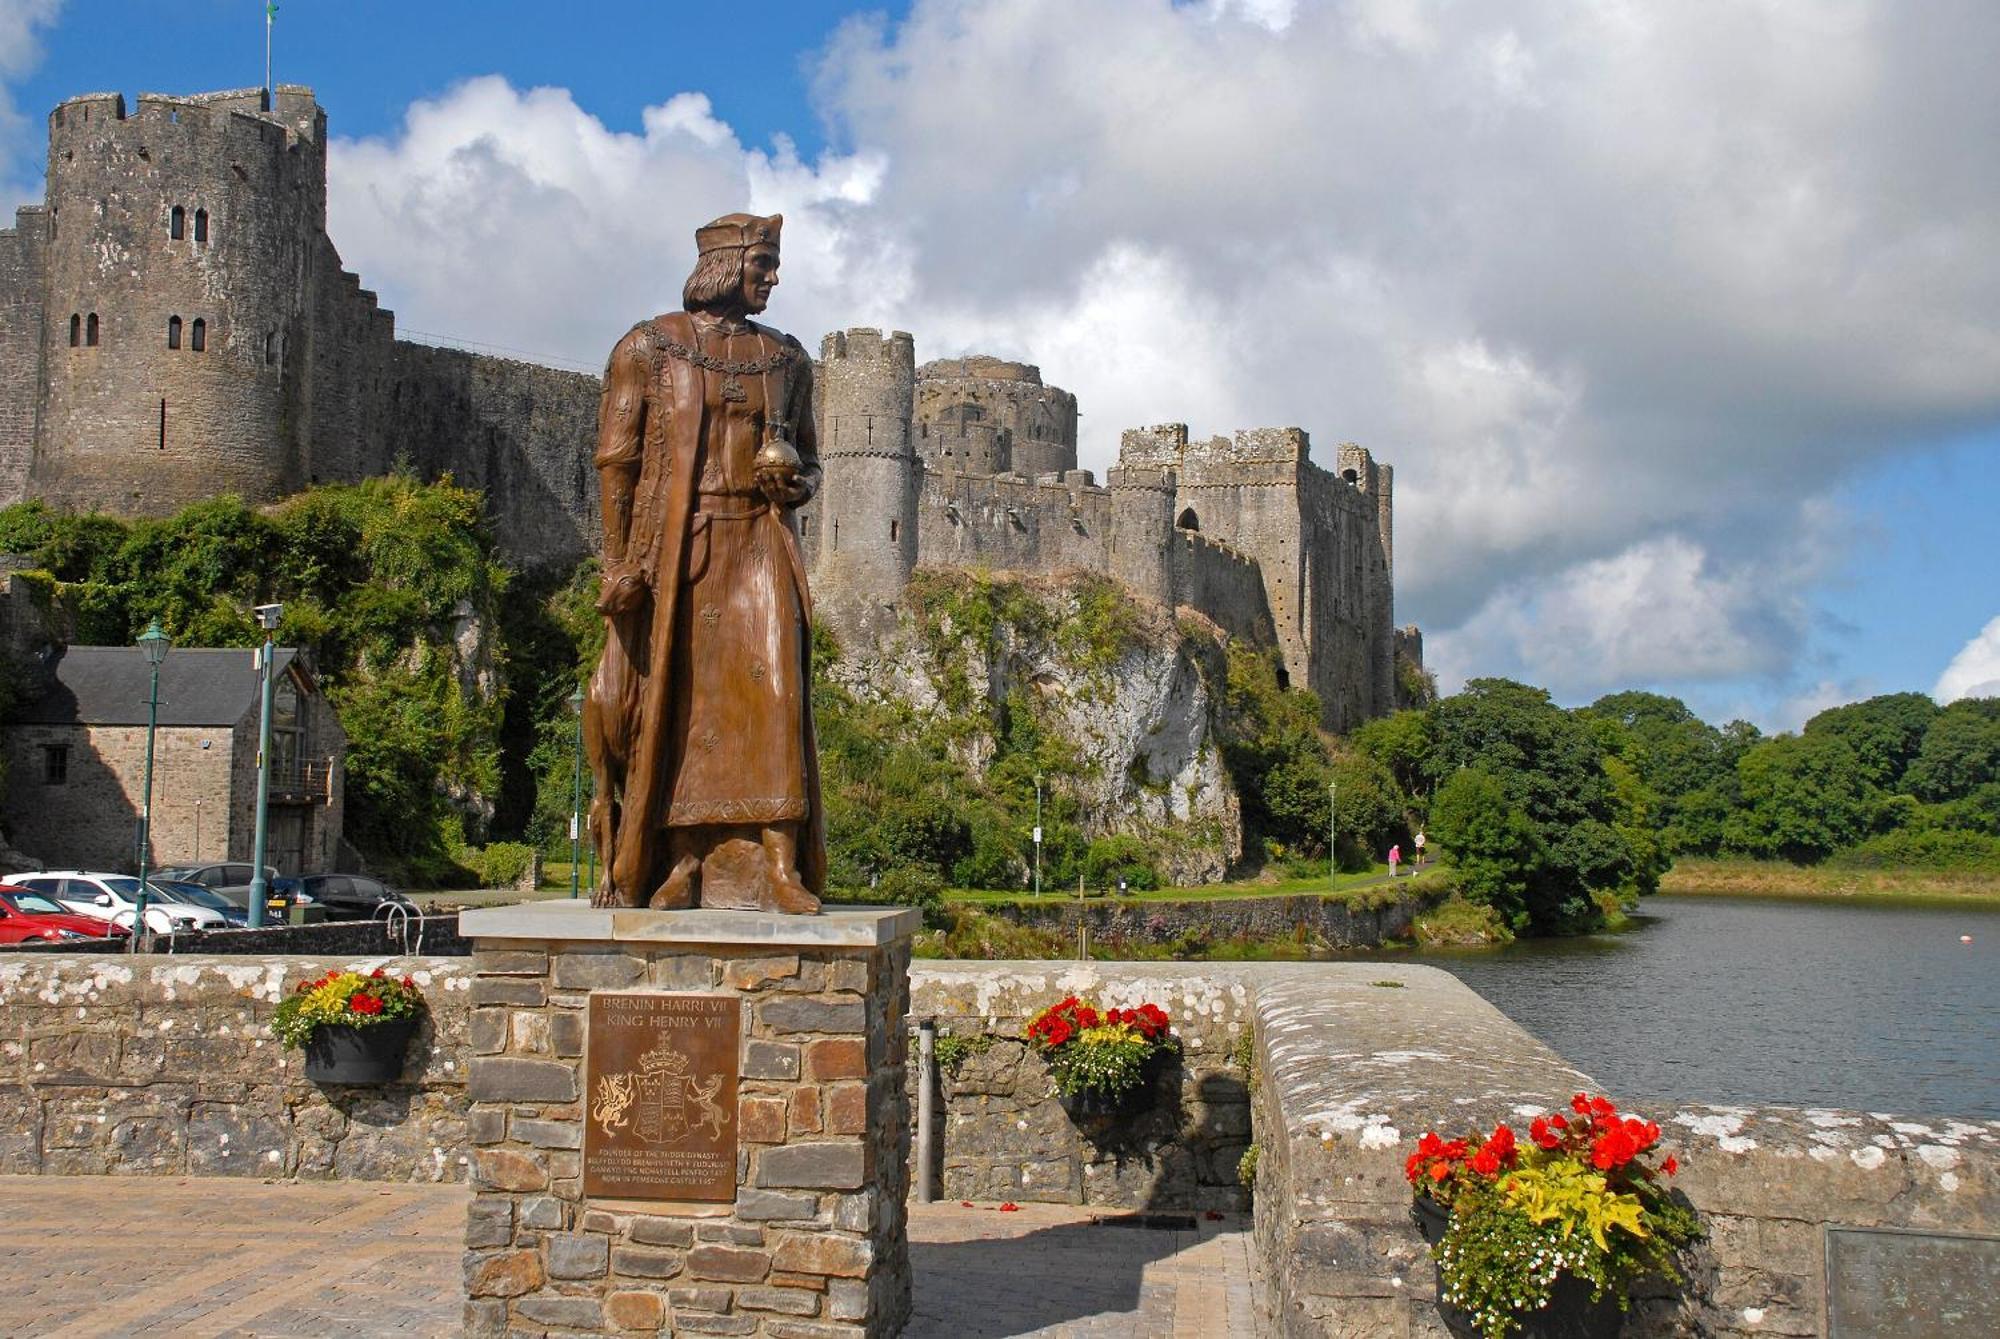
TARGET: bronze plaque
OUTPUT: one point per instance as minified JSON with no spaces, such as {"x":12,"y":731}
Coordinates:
{"x":1887,"y":1284}
{"x":660,"y":1109}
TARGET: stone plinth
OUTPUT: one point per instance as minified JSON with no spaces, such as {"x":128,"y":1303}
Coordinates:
{"x":813,"y":1245}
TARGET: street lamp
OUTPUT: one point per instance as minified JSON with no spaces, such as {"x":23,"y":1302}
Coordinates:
{"x":1038,"y":834}
{"x":154,"y":643}
{"x":260,"y":885}
{"x":576,"y":803}
{"x":1332,"y":832}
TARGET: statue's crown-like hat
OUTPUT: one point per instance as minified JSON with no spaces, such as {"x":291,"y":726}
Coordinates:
{"x":741,"y":230}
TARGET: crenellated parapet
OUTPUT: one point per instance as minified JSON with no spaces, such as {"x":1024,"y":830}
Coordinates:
{"x":982,"y":415}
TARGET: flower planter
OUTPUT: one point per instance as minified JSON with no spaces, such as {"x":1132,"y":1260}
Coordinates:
{"x":1094,"y":1104}
{"x":1570,"y":1314}
{"x":338,"y":1053}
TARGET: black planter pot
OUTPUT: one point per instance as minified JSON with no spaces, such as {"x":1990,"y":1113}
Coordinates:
{"x":1090,"y":1104}
{"x":338,"y":1053}
{"x":1570,"y":1314}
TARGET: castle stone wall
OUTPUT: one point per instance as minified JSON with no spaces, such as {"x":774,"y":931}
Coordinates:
{"x":866,"y":513}
{"x":1224,"y":585}
{"x":21,"y":262}
{"x":1010,"y":524}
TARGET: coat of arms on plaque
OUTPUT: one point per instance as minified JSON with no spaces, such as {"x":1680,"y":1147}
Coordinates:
{"x":662,"y":1101}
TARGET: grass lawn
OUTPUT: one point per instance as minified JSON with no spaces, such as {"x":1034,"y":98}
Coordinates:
{"x":1772,"y":878}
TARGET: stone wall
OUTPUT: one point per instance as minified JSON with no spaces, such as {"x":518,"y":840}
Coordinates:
{"x":1004,"y":1136}
{"x":166,"y":1066}
{"x":1359,"y":1061}
{"x":21,"y":261}
{"x":1308,"y":918}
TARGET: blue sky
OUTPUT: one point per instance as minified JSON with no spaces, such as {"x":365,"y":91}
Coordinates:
{"x":1682,"y":329}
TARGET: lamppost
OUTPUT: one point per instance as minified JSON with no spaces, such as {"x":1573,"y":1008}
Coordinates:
{"x":1332,"y":831}
{"x":155,"y":645}
{"x":1038,"y":834}
{"x":576,"y":803}
{"x":260,"y":885}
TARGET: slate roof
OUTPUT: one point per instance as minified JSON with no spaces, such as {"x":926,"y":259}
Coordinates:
{"x":107,"y":685}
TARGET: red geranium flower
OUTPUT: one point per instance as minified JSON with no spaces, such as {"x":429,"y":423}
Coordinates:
{"x":1671,"y":1165}
{"x":365,"y":1004}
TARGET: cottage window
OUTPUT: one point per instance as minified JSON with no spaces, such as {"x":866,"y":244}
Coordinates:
{"x":177,"y":223}
{"x":55,"y":764}
{"x":173,"y":332}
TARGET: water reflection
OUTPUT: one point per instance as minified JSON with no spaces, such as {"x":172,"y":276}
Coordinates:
{"x":1878,"y":1008}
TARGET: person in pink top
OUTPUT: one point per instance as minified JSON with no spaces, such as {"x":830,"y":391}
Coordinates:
{"x":1395,"y":857}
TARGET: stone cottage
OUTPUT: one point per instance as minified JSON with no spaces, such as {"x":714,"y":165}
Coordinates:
{"x":75,"y":760}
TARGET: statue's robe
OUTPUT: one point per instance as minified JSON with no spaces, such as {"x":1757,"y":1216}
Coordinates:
{"x":724,"y":737}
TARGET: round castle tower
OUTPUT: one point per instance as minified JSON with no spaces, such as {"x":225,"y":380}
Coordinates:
{"x":981,"y":415}
{"x":866,"y":513}
{"x":178,"y":280}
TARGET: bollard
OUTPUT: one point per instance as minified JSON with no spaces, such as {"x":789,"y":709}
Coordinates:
{"x":926,"y":1111}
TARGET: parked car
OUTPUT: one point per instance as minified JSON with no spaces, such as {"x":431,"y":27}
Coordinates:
{"x":353,"y":897}
{"x":196,"y":895}
{"x":112,"y":897}
{"x":26,"y":916}
{"x":231,"y":878}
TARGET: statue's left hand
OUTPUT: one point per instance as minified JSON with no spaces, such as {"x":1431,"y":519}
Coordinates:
{"x":787,"y":488}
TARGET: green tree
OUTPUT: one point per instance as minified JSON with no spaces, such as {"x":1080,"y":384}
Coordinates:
{"x":1884,"y":733}
{"x":1489,"y":842}
{"x":1960,"y":752}
{"x":1803,"y":798}
{"x":1553,"y":771}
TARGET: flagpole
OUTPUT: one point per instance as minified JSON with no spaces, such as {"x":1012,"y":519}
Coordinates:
{"x":270,"y":93}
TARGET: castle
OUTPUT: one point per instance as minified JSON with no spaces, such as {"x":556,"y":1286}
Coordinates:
{"x":175,"y":323}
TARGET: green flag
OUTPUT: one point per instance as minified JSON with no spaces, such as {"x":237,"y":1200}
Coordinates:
{"x":270,"y":12}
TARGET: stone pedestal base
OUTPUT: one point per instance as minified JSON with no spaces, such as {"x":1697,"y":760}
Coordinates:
{"x":814,"y":1244}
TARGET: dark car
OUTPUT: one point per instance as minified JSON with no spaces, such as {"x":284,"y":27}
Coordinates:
{"x":196,"y":895}
{"x":353,"y":897}
{"x":230,"y":879}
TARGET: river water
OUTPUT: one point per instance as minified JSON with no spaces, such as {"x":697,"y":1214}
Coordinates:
{"x":1797,"y":1003}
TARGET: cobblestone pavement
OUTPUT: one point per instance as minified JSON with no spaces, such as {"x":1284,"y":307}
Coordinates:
{"x":94,"y":1255}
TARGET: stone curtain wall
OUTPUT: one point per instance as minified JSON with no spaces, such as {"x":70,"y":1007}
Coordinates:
{"x":1005,"y":1137}
{"x":167,"y":1066}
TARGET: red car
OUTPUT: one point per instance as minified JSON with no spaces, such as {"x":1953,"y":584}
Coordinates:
{"x":27,"y":916}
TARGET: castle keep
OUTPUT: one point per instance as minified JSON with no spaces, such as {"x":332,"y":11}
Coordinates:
{"x":972,"y":462}
{"x":175,"y":323}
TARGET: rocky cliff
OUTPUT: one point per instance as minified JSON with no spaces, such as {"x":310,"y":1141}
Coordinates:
{"x":1107,"y":696}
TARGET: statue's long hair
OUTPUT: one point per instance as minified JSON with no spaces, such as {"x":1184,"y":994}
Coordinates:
{"x":716,"y":281}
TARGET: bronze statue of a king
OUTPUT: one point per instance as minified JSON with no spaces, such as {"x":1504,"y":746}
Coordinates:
{"x":698,"y":720}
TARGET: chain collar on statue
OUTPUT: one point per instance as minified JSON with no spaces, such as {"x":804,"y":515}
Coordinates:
{"x":753,"y":367}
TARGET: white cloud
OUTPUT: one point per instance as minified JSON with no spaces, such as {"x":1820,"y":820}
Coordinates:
{"x":21,"y":144}
{"x":1975,"y":670}
{"x":1622,"y":290}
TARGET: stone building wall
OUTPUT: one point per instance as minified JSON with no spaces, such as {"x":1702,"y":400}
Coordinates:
{"x":1012,"y":524}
